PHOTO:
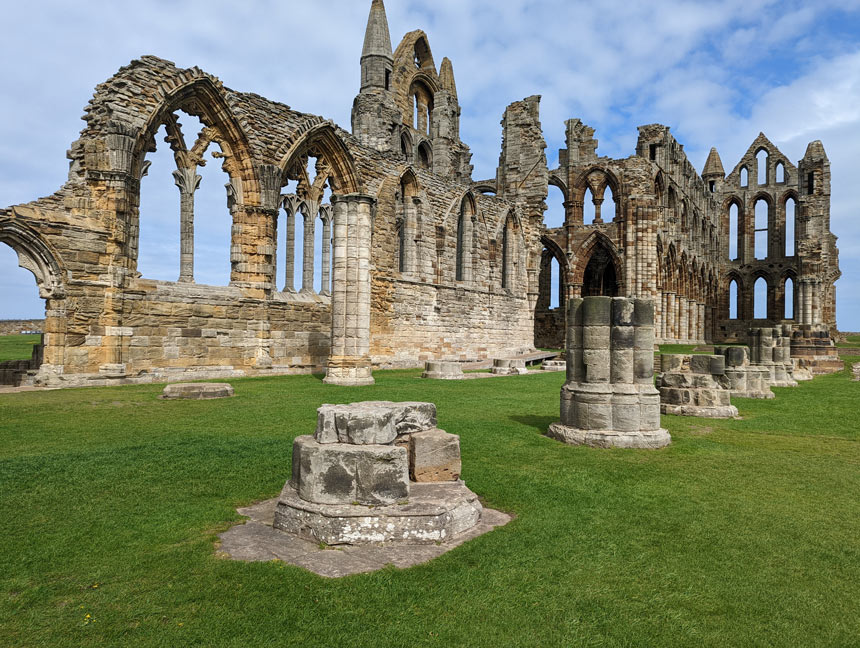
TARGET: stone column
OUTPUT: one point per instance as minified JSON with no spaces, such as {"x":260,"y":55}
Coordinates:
{"x":310,"y":215}
{"x":349,"y":359}
{"x":701,"y":332}
{"x":290,"y":279}
{"x":187,"y":181}
{"x":815,"y":288}
{"x":326,"y":215}
{"x":670,"y":316}
{"x":609,"y":399}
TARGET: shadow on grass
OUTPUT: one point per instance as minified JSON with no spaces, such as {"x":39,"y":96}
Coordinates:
{"x":540,"y":423}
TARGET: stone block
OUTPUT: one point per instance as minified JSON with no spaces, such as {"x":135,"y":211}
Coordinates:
{"x":434,"y":455}
{"x":341,"y":473}
{"x":197,"y":391}
{"x":700,"y":364}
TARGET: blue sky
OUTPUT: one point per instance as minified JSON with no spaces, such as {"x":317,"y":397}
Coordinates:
{"x":716,"y":72}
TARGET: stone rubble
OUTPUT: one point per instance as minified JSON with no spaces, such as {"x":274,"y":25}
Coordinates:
{"x":694,"y":385}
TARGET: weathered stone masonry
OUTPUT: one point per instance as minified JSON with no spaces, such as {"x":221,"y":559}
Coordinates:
{"x":425,"y":263}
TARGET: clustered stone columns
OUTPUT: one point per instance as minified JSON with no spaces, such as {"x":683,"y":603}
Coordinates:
{"x":695,"y":385}
{"x":326,"y":216}
{"x":187,"y":181}
{"x":813,"y":351}
{"x":770,"y":347}
{"x":377,"y":471}
{"x":609,"y":399}
{"x":809,"y":301}
{"x":349,"y":362}
{"x":745,"y":380}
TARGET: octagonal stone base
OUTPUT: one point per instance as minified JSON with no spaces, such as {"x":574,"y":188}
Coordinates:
{"x":649,"y":440}
{"x":718,"y":411}
{"x":434,"y":512}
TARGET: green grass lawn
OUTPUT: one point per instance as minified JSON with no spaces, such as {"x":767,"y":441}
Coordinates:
{"x":17,"y":347}
{"x":741,"y":533}
{"x":851,"y":341}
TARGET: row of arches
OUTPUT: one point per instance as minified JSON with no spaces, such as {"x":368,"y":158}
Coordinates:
{"x":769,"y":230}
{"x":768,"y":298}
{"x":762,"y":171}
{"x":415,"y":255}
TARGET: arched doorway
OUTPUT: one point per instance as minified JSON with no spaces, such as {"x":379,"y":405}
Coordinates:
{"x":23,"y":353}
{"x":600,"y":279}
{"x":599,"y":270}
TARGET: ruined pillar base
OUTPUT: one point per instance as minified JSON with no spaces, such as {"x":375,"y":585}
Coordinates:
{"x":719,"y":411}
{"x":554,"y":365}
{"x":112,"y":370}
{"x":348,"y":374}
{"x":509,"y":367}
{"x":443,"y":371}
{"x":648,"y":440}
{"x":433,"y":512}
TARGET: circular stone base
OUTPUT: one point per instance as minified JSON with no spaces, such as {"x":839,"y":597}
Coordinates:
{"x":650,"y":440}
{"x":719,"y":411}
{"x":197,"y":391}
{"x":434,"y":512}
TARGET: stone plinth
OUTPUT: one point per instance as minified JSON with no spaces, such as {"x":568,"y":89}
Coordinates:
{"x":745,"y":380}
{"x":770,"y":347}
{"x":695,"y":385}
{"x":443,"y":371}
{"x":509,"y":366}
{"x":609,"y":399}
{"x":554,"y":365}
{"x":356,"y":479}
{"x":197,"y":391}
{"x":813,"y":350}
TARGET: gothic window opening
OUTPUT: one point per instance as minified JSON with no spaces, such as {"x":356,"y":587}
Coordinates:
{"x":607,"y":209}
{"x":600,"y":278}
{"x":424,"y":156}
{"x":733,"y":231}
{"x":810,"y":183}
{"x":734,"y":300}
{"x":790,"y":224}
{"x":305,"y":240}
{"x":762,"y":209}
{"x":589,"y":212}
{"x":760,"y":298}
{"x":554,"y":215}
{"x":188,"y":153}
{"x":744,"y":177}
{"x":788,"y":291}
{"x":761,"y":159}
{"x":780,"y":173}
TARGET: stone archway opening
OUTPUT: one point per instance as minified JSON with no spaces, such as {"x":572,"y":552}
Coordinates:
{"x":600,"y":279}
{"x":22,"y":316}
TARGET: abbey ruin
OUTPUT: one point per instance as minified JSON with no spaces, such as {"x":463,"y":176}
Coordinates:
{"x":419,"y":261}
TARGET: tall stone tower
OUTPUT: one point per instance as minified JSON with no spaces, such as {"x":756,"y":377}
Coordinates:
{"x":374,"y":111}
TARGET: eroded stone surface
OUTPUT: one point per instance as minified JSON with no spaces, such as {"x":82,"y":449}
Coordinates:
{"x":443,"y":371}
{"x":434,"y":456}
{"x":338,"y":473}
{"x":197,"y":391}
{"x":695,"y":385}
{"x":433,"y":512}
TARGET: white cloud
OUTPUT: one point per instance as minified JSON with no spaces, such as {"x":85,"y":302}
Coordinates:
{"x":691,"y":65}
